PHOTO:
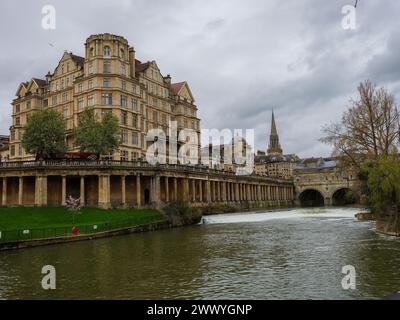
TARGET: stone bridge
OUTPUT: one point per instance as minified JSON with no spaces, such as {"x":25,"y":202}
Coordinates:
{"x":325,"y":186}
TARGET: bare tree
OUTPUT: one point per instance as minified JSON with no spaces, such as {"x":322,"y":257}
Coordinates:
{"x":368,"y":129}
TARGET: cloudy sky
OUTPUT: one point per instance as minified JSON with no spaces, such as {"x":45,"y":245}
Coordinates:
{"x":241,"y":58}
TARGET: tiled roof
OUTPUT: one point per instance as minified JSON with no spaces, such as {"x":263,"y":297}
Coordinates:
{"x":263,"y":159}
{"x":176,"y":87}
{"x":317,"y":163}
{"x":140,"y":67}
{"x":40,"y":82}
{"x":78,"y":60}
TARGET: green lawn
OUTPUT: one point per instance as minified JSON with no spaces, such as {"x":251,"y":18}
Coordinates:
{"x":48,"y":217}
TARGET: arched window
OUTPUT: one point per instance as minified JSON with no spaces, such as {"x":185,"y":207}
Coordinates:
{"x":107,"y":51}
{"x":92,"y":52}
{"x":122,"y":54}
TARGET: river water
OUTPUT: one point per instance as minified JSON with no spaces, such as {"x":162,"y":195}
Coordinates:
{"x":292,"y":254}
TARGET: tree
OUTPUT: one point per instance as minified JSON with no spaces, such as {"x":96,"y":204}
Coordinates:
{"x":383,"y":182}
{"x":368,"y":129}
{"x":92,"y":135}
{"x":74,"y":206}
{"x":110,"y":132}
{"x":44,"y":133}
{"x":367,"y":139}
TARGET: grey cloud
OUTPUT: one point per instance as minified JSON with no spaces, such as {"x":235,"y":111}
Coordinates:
{"x":385,"y":66}
{"x":215,"y":24}
{"x":241,"y":58}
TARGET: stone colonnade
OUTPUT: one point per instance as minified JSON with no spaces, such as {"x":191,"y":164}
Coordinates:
{"x":136,"y":189}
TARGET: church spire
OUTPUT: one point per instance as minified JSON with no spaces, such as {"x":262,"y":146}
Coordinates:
{"x":274,"y":146}
{"x":273,"y":125}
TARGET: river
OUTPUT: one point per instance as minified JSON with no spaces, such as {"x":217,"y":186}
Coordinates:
{"x":288,"y":254}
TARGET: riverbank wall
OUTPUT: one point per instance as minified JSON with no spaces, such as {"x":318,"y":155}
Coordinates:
{"x":365,"y":216}
{"x":387,"y":228}
{"x":387,"y":222}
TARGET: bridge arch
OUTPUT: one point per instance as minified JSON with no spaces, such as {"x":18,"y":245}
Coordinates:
{"x":311,"y":198}
{"x":344,"y":196}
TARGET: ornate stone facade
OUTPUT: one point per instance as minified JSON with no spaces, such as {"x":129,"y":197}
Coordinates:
{"x":108,"y":78}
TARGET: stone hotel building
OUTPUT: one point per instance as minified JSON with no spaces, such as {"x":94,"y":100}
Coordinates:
{"x":108,"y":78}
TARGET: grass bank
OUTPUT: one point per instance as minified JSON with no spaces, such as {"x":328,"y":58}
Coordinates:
{"x":48,"y":217}
{"x":21,"y":224}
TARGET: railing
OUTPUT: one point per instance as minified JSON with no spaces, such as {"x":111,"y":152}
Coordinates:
{"x":87,"y":229}
{"x":105,"y":163}
{"x":133,"y":165}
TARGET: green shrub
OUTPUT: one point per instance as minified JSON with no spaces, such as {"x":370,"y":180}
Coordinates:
{"x":180,"y":213}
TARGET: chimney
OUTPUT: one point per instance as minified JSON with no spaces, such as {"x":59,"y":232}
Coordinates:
{"x":168,"y":79}
{"x":48,"y":77}
{"x":132,"y":61}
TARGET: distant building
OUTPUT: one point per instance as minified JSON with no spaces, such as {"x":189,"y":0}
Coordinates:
{"x":222,"y":156}
{"x":214,"y":154}
{"x":279,"y":166}
{"x":274,"y":163}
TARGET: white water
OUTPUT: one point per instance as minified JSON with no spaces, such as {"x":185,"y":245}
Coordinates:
{"x":303,"y":213}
